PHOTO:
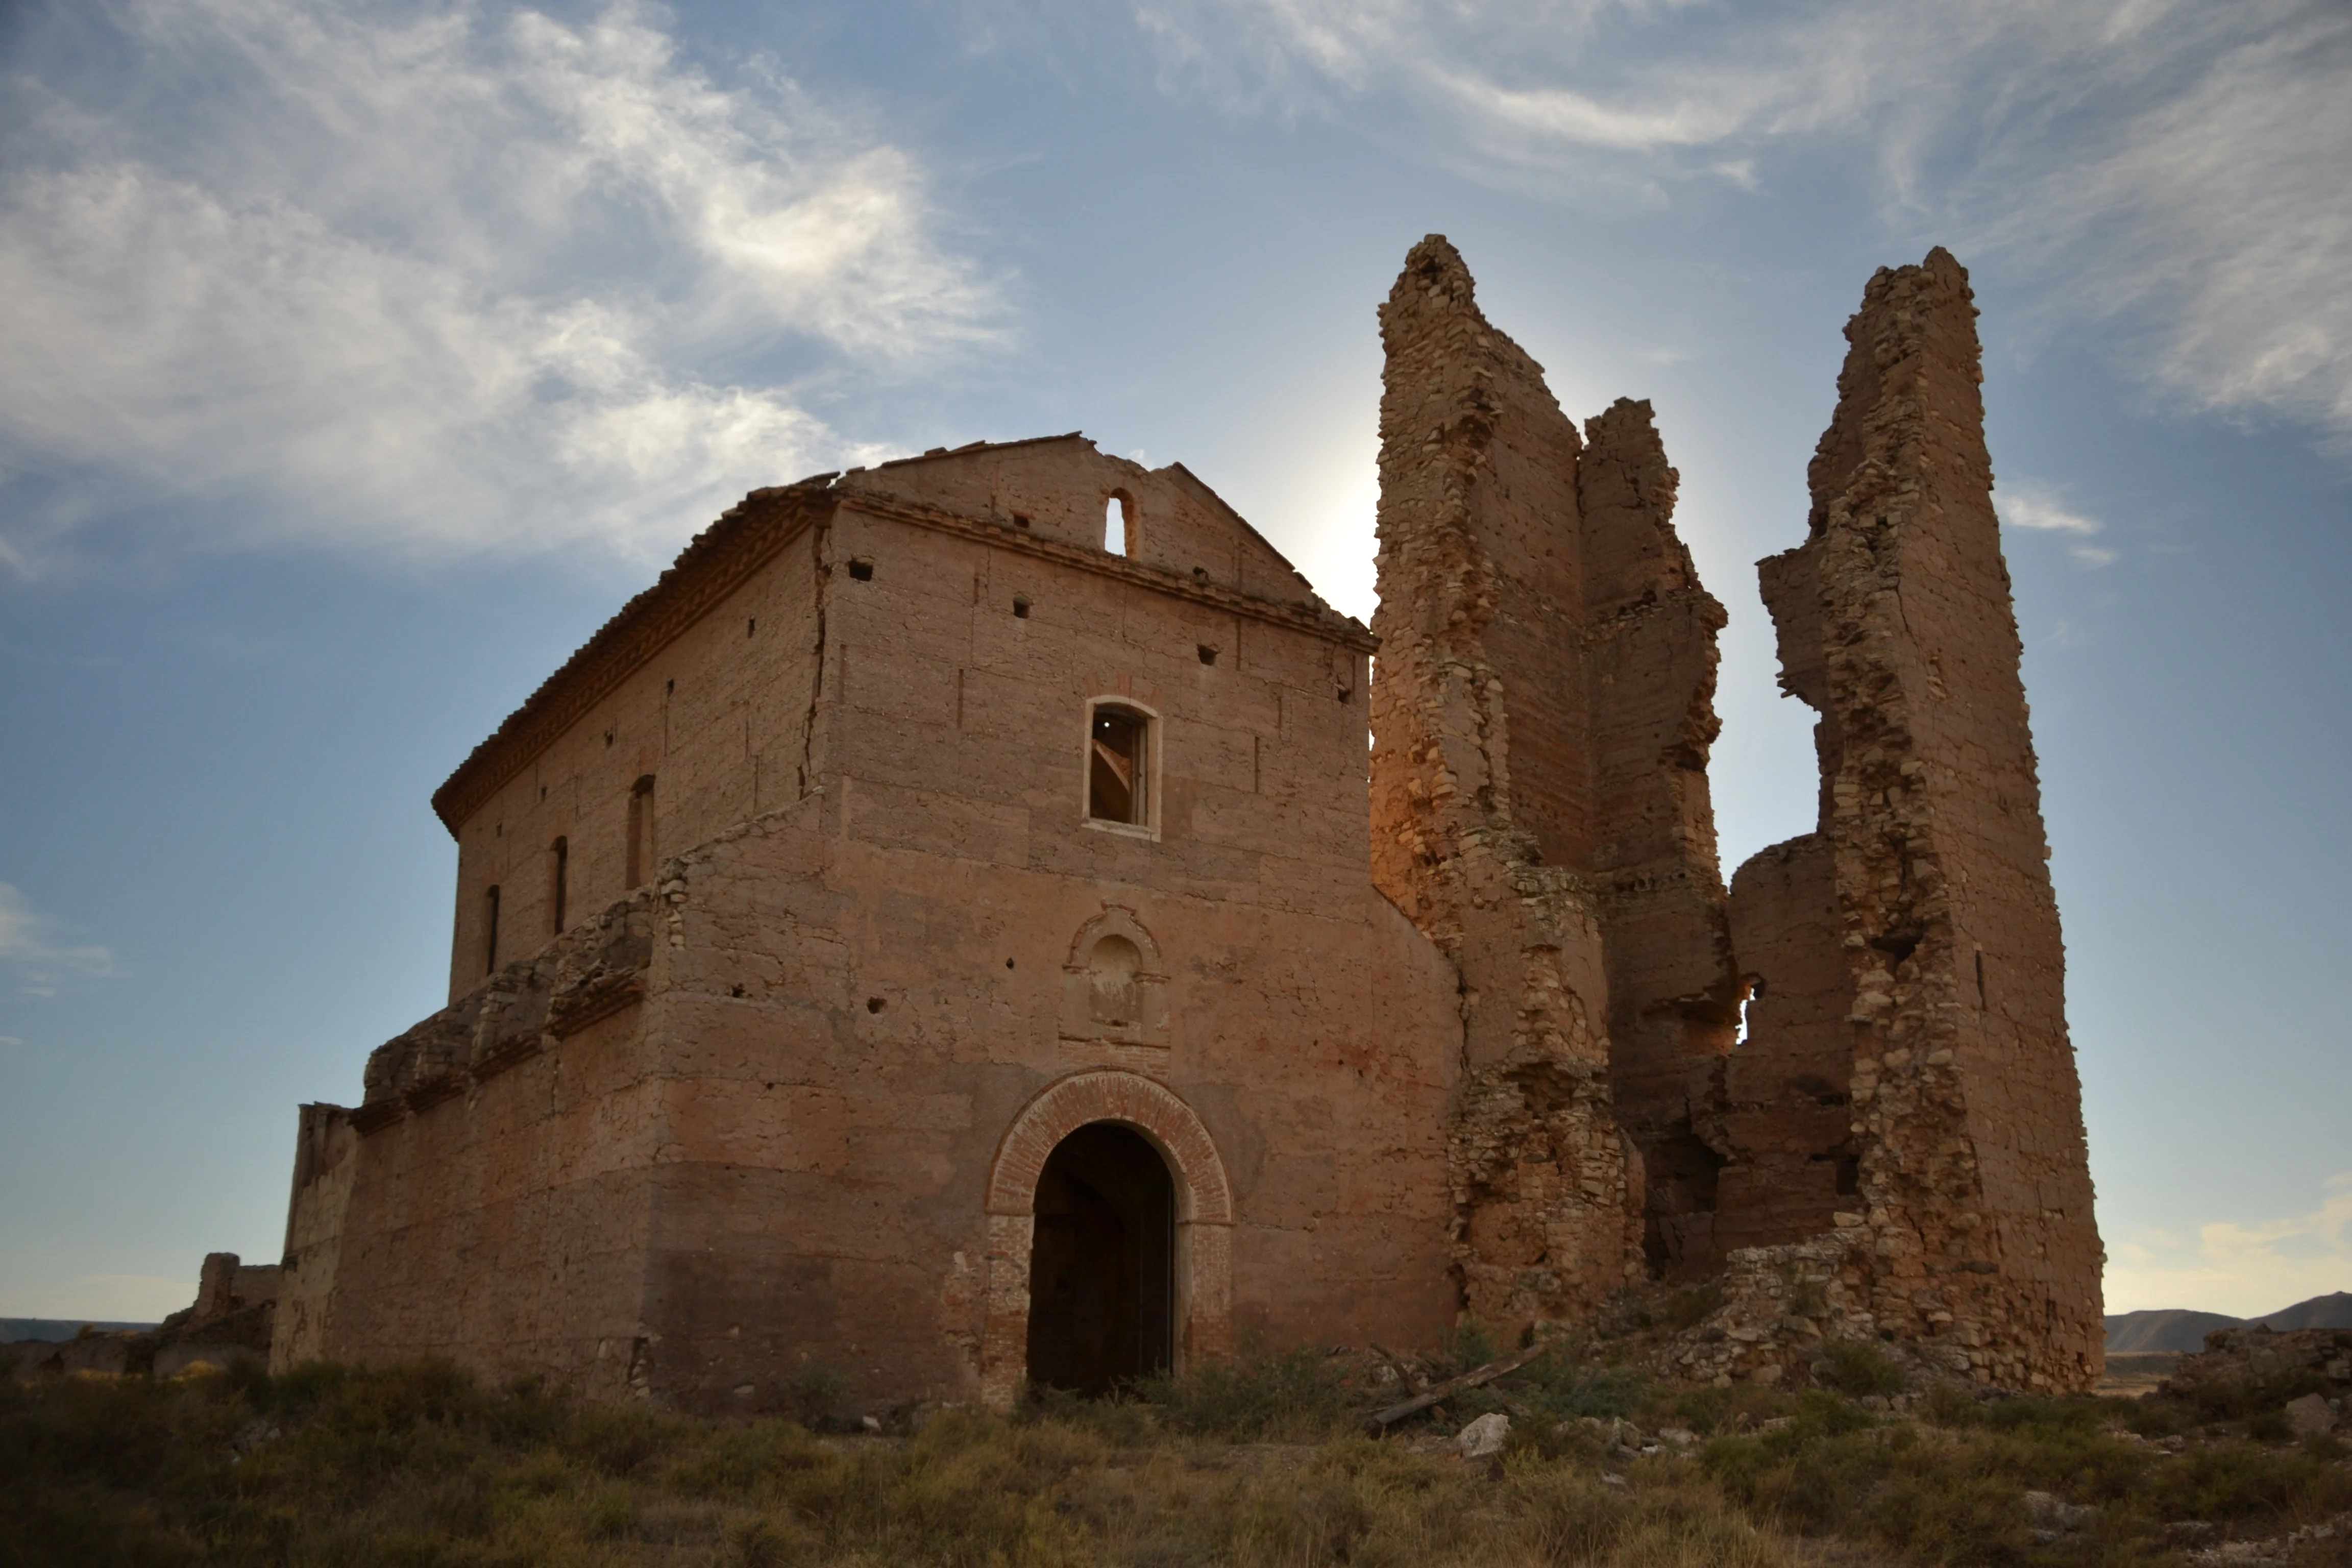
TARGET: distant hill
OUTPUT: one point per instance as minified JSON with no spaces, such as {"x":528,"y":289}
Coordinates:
{"x":54,"y":1329}
{"x":2167,"y":1328}
{"x":2320,"y":1312}
{"x":2176,"y":1329}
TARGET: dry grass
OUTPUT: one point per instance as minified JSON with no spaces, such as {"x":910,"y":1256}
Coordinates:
{"x":1246,"y":1465}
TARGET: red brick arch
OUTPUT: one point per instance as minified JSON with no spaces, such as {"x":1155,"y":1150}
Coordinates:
{"x":1204,"y":1215}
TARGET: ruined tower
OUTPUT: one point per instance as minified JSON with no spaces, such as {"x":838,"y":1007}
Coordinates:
{"x":1907,"y":1088}
{"x":1540,"y":725}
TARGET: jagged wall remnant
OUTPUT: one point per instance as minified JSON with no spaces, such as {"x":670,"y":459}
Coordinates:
{"x":1674,"y":990}
{"x":1540,"y":725}
{"x":1919,"y":1090}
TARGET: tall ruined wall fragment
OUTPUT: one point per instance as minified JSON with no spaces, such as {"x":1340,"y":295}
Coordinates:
{"x":1540,"y":725}
{"x":1673,"y":991}
{"x":1908,"y":1082}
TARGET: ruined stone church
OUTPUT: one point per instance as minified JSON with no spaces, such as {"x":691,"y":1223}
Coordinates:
{"x":952,"y":928}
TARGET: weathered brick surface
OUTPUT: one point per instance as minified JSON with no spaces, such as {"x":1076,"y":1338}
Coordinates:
{"x":828,"y":1034}
{"x":1971,"y":1180}
{"x":1650,"y":663}
{"x":1516,"y":806}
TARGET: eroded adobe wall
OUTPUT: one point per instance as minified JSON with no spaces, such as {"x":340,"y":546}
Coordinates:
{"x":1971,"y":1231}
{"x":324,"y":1146}
{"x":488,"y":1200}
{"x":1650,"y":662}
{"x":1482,"y":793}
{"x":707,"y":692}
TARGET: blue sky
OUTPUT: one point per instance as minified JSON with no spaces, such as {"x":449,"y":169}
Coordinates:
{"x":361,"y":359}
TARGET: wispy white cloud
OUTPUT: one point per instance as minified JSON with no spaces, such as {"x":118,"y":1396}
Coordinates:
{"x":440,"y":278}
{"x":2035,"y":510}
{"x":2237,"y":1268}
{"x":2030,"y":506}
{"x":2174,"y":165}
{"x":38,"y":952}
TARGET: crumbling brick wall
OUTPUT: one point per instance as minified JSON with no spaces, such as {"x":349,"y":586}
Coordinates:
{"x":1649,"y":636}
{"x":1539,"y":807}
{"x":1968,"y":1182}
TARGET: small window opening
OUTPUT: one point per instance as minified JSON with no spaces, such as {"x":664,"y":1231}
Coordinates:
{"x":751,"y":627}
{"x":874,"y":1003}
{"x":1119,"y":525}
{"x":641,"y":831}
{"x":1020,"y":608}
{"x":1118,"y":767}
{"x":490,"y":921}
{"x":608,"y":737}
{"x":1020,"y":520}
{"x":669,"y":689}
{"x":542,"y":792}
{"x":1980,"y":990}
{"x":562,"y":875}
{"x":1208,"y":654}
{"x":861,"y":570}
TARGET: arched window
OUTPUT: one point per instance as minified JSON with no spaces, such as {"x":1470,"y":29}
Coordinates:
{"x":1118,"y":524}
{"x":1119,"y":766}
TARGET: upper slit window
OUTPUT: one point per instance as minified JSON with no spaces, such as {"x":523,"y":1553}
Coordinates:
{"x":1119,"y":525}
{"x":1118,"y":766}
{"x":560,"y":877}
{"x":641,"y":831}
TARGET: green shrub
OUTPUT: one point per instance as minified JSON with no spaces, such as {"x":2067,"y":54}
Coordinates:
{"x":1299,"y":1397}
{"x":1857,"y":1368}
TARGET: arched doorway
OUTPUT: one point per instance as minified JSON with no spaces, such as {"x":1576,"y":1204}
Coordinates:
{"x":1201,"y":1327}
{"x":1102,"y":1262}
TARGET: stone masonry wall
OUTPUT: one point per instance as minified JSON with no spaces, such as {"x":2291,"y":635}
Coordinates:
{"x":1972,"y":1196}
{"x":1481,"y":809}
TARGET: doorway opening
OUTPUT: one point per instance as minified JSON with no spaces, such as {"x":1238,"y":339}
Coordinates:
{"x":1102,"y":1262}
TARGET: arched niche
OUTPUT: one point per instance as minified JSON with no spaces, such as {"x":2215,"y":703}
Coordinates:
{"x":1114,"y":990}
{"x":1204,"y":1216}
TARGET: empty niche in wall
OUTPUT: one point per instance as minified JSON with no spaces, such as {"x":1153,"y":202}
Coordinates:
{"x":1114,"y":991}
{"x":1111,"y":969}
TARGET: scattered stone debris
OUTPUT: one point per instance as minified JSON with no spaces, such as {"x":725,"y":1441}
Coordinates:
{"x":2278,"y":1549}
{"x":2258,"y":1356}
{"x":1485,"y":1436}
